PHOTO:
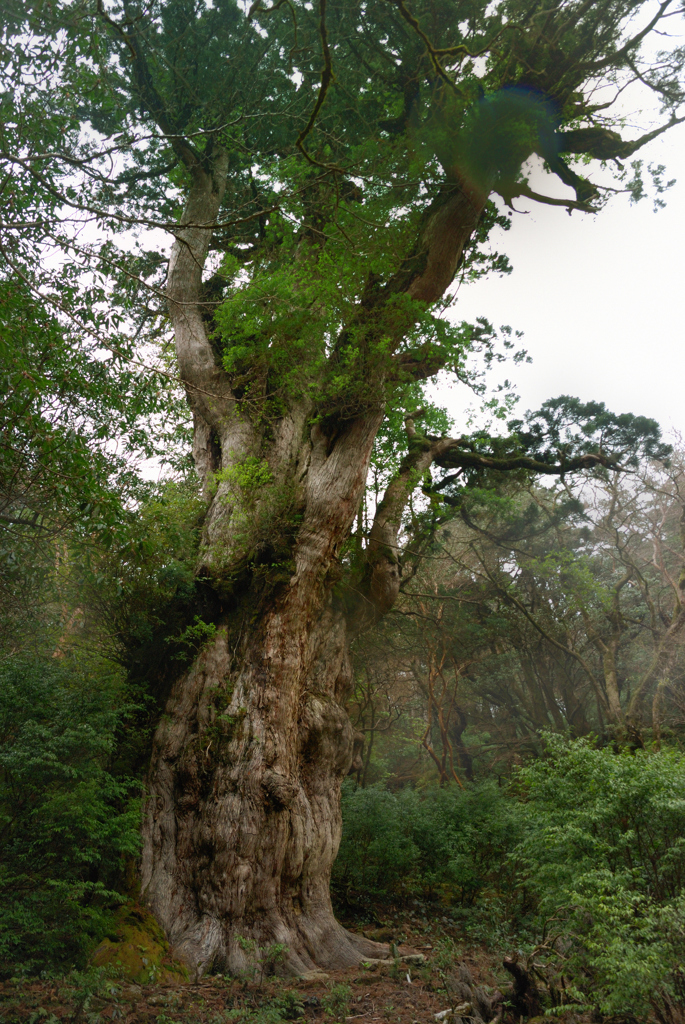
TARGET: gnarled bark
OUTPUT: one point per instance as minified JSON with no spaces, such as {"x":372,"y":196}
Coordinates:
{"x":243,"y":820}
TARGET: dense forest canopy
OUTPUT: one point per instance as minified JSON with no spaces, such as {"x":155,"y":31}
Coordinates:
{"x":326,"y":172}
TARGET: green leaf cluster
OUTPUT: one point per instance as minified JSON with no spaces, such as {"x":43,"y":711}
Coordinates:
{"x":67,"y":821}
{"x":420,"y":840}
{"x":604,"y":851}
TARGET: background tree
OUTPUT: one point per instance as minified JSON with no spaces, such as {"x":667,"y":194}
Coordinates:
{"x":325,"y":173}
{"x":532,"y":609}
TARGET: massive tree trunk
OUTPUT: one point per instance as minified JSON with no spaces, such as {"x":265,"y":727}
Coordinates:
{"x":242,"y":820}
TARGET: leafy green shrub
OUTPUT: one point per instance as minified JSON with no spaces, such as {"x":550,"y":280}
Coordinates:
{"x":450,"y":838}
{"x":376,"y":851}
{"x":290,"y":1004}
{"x":65,"y":821}
{"x":336,"y":1003}
{"x":463,"y":837}
{"x":581,"y":859}
{"x":287,"y":1005}
{"x":604,"y":853}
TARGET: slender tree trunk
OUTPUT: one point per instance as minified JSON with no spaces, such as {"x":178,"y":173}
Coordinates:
{"x":610,"y":672}
{"x":656,"y":714}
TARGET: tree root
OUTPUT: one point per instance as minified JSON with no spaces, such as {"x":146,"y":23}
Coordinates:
{"x":289,"y":949}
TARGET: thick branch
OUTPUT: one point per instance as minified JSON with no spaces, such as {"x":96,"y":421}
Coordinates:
{"x":521,"y":189}
{"x":196,"y":360}
{"x":604,"y":144}
{"x":456,"y":457}
{"x":418,"y":365}
{"x":383,"y":582}
{"x":447,"y":225}
{"x":424,"y":275}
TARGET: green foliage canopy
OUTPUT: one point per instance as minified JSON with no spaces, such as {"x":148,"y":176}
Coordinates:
{"x":341,"y":127}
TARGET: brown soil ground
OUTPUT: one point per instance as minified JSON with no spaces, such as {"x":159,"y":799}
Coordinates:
{"x":373,"y":997}
{"x":387,"y":994}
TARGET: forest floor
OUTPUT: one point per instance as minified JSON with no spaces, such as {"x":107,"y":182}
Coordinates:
{"x":391,"y":993}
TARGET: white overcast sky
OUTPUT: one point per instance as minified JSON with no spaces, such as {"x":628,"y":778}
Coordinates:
{"x":600,"y":299}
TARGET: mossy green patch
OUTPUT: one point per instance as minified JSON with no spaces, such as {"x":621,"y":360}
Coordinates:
{"x":139,"y":952}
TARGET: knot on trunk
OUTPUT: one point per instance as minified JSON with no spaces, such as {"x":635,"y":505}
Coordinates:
{"x":326,"y":735}
{"x":279,"y":787}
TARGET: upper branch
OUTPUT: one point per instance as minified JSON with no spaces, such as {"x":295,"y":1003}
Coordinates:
{"x":145,"y":86}
{"x":196,"y":358}
{"x":207,"y":385}
{"x":382,"y":582}
{"x":630,"y":44}
{"x":457,"y":456}
{"x":604,"y":144}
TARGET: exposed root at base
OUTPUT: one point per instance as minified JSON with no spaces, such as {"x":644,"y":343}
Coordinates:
{"x":304,"y":946}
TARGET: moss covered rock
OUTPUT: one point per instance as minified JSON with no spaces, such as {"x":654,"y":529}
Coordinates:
{"x":138,"y":950}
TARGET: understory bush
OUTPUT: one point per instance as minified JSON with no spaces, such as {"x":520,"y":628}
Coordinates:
{"x":579,"y":859}
{"x":448,"y":840}
{"x":604,"y":852}
{"x":66,"y":822}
